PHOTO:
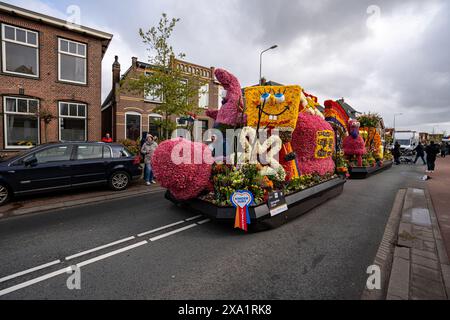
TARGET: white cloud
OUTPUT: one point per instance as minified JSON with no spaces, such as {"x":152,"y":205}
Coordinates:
{"x":397,"y":62}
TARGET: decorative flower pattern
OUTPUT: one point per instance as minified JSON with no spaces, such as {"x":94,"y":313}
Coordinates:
{"x":304,"y":140}
{"x":186,"y":180}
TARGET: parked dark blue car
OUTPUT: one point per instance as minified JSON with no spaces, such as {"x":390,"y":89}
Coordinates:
{"x":62,"y":165}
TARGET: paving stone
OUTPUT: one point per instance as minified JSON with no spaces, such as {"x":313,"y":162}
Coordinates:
{"x":429,"y":245}
{"x":392,"y":297}
{"x":442,"y":253}
{"x":420,"y":294}
{"x":446,"y":275}
{"x":426,"y":229}
{"x":425,"y":272}
{"x":425,"y":254}
{"x":432,"y":289}
{"x":402,"y":253}
{"x":429,"y":263}
{"x":399,"y":280}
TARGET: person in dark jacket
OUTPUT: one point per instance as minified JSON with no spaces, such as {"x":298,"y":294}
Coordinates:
{"x":443,"y":149}
{"x":432,"y":151}
{"x":420,"y":153}
{"x":396,"y":153}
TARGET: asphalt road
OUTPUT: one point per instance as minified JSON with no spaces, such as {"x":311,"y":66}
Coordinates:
{"x":321,"y":255}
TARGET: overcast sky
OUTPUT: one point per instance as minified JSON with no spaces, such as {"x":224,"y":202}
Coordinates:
{"x":382,"y":56}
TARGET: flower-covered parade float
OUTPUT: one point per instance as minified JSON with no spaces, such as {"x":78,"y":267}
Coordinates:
{"x":364,"y":147}
{"x":273,"y":158}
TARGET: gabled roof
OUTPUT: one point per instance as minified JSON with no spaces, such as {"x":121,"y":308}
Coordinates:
{"x":42,"y":18}
{"x":348,"y":109}
{"x":53,"y":21}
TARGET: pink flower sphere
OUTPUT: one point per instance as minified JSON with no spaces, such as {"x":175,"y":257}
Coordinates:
{"x":354,"y":146}
{"x":304,"y":142}
{"x":183,"y":167}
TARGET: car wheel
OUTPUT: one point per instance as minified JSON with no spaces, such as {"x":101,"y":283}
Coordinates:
{"x":4,"y":194}
{"x":119,"y":181}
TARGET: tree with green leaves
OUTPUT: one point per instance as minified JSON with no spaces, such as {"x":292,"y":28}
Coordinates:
{"x":178,"y":91}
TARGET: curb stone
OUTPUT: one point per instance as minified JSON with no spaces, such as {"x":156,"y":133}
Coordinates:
{"x":385,"y":254}
{"x":75,"y":203}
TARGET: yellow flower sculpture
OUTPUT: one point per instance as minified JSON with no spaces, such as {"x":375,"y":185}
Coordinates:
{"x":273,"y":106}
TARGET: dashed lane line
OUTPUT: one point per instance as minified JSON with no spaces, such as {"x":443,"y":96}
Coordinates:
{"x":89,"y":261}
{"x":22,"y":273}
{"x":99,"y":248}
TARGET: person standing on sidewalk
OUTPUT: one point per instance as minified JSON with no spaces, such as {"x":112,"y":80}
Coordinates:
{"x":420,"y":153}
{"x":148,"y":148}
{"x":443,"y":149}
{"x":432,"y":151}
{"x":396,"y":153}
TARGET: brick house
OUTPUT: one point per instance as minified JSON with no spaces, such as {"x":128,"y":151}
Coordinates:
{"x":48,"y":65}
{"x":127,"y":115}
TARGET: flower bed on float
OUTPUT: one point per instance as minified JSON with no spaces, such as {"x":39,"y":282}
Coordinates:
{"x":375,"y":159}
{"x":280,"y":165}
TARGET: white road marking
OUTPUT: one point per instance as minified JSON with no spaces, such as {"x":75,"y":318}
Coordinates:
{"x":110,"y":254}
{"x":99,"y":248}
{"x":203,"y":221}
{"x":165,"y":235}
{"x":33,"y":281}
{"x":193,"y":218}
{"x":68,"y":269}
{"x":162,"y":228}
{"x":18,"y":274}
{"x":93,"y":260}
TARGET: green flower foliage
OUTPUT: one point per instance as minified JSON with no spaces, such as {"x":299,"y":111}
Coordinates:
{"x":370,"y":120}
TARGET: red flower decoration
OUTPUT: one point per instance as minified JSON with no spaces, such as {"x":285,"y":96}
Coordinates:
{"x":186,"y":180}
{"x":304,"y":140}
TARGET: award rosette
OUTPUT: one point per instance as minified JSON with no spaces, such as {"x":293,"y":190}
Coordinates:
{"x":241,"y":200}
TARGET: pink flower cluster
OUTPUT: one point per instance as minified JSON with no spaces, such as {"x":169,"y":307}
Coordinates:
{"x":186,"y":180}
{"x":304,"y":142}
{"x":231,"y":112}
{"x":354,"y":146}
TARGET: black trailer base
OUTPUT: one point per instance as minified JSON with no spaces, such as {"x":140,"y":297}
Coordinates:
{"x":365,"y":172}
{"x":298,"y":203}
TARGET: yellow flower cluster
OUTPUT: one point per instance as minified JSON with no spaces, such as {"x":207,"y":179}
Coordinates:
{"x":273,"y":106}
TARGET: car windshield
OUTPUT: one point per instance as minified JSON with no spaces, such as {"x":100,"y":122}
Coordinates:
{"x":404,"y":142}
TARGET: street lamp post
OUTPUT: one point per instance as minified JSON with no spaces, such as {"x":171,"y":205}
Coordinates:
{"x":395,"y":115}
{"x":260,"y":62}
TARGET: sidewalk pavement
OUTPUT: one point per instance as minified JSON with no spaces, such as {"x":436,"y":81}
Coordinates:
{"x":439,"y":188}
{"x":412,"y":259}
{"x":71,"y":198}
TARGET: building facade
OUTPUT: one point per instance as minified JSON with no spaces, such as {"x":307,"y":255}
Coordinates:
{"x":50,"y":79}
{"x":127,"y":115}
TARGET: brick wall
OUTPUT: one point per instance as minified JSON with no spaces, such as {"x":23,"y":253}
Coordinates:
{"x":134,"y":102}
{"x":47,"y":88}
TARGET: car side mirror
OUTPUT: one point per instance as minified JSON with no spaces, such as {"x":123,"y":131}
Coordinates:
{"x":30,"y":162}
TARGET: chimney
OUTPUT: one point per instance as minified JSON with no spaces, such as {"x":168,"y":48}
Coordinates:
{"x":134,"y":61}
{"x":116,"y":71}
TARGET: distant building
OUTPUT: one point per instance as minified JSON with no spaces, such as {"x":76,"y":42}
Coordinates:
{"x":48,"y":65}
{"x":127,"y":115}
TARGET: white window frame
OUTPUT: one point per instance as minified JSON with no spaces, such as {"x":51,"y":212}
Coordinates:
{"x":60,"y":117}
{"x":5,"y":122}
{"x":152,"y":100}
{"x":204,"y":96}
{"x":221,"y":96}
{"x":153,"y":115}
{"x":140,"y":127}
{"x":73,"y":55}
{"x":26,"y":44}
